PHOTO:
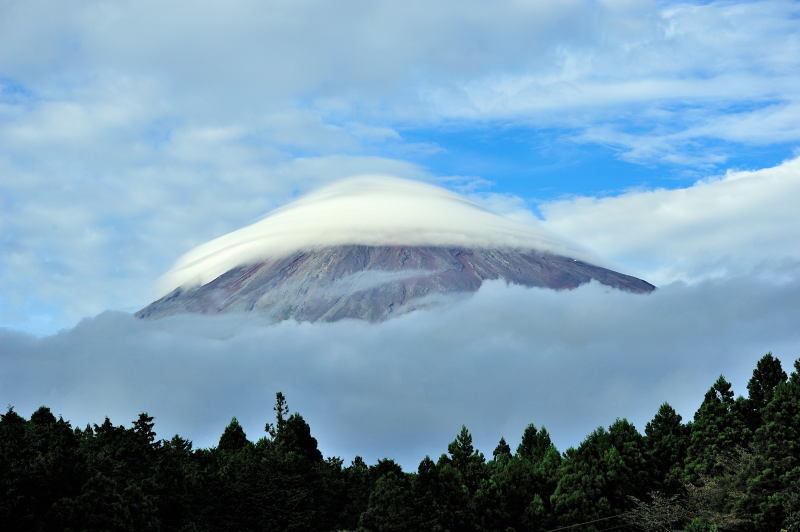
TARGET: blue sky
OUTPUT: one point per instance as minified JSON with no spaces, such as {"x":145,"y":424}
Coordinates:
{"x":661,"y":136}
{"x":542,"y":165}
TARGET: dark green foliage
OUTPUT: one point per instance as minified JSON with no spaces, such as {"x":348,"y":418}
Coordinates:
{"x":535,"y":443}
{"x":667,"y":440}
{"x":385,"y":466}
{"x":466,"y":461}
{"x":735,"y":467}
{"x":517,"y":493}
{"x":766,"y":378}
{"x":290,"y":435}
{"x":425,"y":490}
{"x":452,"y":499}
{"x":389,"y":508}
{"x":598,"y":478}
{"x":718,"y":430}
{"x":281,"y":411}
{"x":502,"y":451}
{"x":773,"y":481}
{"x":37,"y":468}
{"x":358,"y":485}
{"x":233,"y":437}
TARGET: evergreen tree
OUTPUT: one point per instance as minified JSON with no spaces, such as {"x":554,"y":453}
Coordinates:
{"x":233,"y":437}
{"x":491,"y":507}
{"x":502,"y":451}
{"x":390,"y":506}
{"x":143,"y":428}
{"x":119,"y":491}
{"x":767,"y":375}
{"x":468,"y":461}
{"x":53,"y":470}
{"x":535,"y":443}
{"x":296,"y":437}
{"x":109,"y":503}
{"x":17,"y":507}
{"x":717,"y":432}
{"x":774,"y":476}
{"x":666,"y":442}
{"x":425,"y":491}
{"x":292,"y":434}
{"x":384,"y":466}
{"x":517,"y":493}
{"x":538,"y":469}
{"x":178,"y":481}
{"x":453,"y":499}
{"x":108,"y":477}
{"x":580,"y":494}
{"x":597,"y":478}
{"x":281,"y":411}
{"x":358,"y":486}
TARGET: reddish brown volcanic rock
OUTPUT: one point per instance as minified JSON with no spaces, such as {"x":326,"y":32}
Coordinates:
{"x":376,"y":282}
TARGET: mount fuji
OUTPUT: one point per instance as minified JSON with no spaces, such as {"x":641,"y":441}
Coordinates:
{"x":372,"y":247}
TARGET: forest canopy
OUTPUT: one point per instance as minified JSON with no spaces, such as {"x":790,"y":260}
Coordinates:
{"x":734,"y":466}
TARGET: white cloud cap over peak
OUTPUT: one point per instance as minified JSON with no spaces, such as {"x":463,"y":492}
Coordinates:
{"x":363,"y":210}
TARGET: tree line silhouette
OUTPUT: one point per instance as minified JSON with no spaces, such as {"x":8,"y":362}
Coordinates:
{"x":734,"y":466}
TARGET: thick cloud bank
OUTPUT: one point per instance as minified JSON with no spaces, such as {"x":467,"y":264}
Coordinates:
{"x":742,"y":222}
{"x":506,"y":357}
{"x":368,"y":210}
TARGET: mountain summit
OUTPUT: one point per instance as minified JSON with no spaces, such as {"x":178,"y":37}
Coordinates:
{"x":371,"y":247}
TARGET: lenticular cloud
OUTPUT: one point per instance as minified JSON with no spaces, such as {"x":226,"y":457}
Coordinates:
{"x":363,"y":210}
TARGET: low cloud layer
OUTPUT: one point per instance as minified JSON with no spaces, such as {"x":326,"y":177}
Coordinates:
{"x":499,"y":360}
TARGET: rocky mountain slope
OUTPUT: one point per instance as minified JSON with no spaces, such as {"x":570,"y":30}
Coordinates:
{"x":376,"y":282}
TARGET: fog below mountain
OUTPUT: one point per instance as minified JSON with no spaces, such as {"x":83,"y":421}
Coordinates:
{"x":498,"y":360}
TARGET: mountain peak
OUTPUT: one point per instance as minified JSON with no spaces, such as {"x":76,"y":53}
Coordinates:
{"x":377,"y":282}
{"x":371,"y":247}
{"x":368,"y":210}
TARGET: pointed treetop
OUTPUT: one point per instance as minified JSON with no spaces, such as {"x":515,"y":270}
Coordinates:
{"x":11,"y":417}
{"x":666,"y":421}
{"x":281,"y":410}
{"x":43,"y":416}
{"x":426,"y":467}
{"x":535,"y":443}
{"x":502,"y":450}
{"x":720,"y":392}
{"x":233,"y":438}
{"x":143,"y":426}
{"x":766,"y":377}
{"x":461,"y":449}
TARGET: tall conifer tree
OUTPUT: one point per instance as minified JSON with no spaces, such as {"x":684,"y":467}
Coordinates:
{"x":667,"y":441}
{"x":717,"y":431}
